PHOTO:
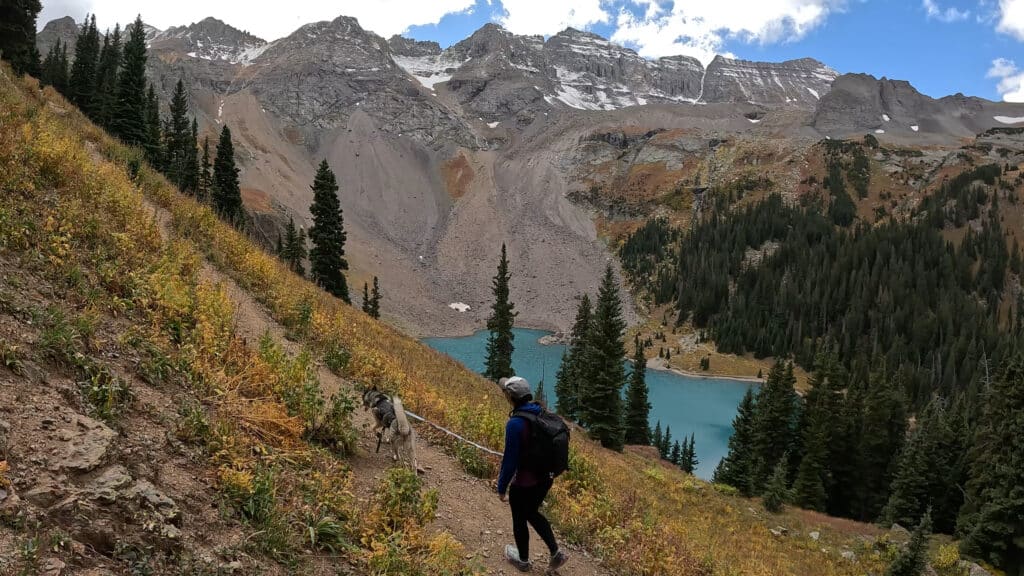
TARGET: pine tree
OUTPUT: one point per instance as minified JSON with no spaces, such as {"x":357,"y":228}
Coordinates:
{"x":82,"y":83}
{"x":498,"y":363}
{"x":366,"y":298}
{"x":657,"y":437}
{"x":912,"y":560}
{"x":129,"y":120}
{"x":327,"y":257}
{"x":154,"y":140}
{"x":539,"y":396}
{"x":688,"y":462}
{"x":206,"y":177}
{"x":884,"y":428}
{"x":812,"y":475}
{"x":293,"y":249}
{"x":62,"y":74}
{"x":178,"y":138}
{"x":774,"y":422}
{"x":55,"y":68}
{"x":990,"y":519}
{"x":601,"y":407}
{"x":18,"y":35}
{"x":571,"y":375}
{"x":775,"y":493}
{"x":638,"y":408}
{"x":106,"y":77}
{"x":192,"y":160}
{"x":666,"y":443}
{"x":375,"y":299}
{"x":227,"y":196}
{"x":675,"y":455}
{"x":737,"y":466}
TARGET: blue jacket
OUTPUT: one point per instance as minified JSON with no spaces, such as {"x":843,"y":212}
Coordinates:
{"x":517,"y":432}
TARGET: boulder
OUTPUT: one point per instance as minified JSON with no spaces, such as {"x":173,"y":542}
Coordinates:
{"x":52,"y":567}
{"x":86,"y":446}
{"x":973,"y":569}
{"x":106,"y":487}
{"x":815,"y":535}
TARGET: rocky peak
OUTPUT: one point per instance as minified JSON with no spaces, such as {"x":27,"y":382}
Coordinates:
{"x":796,"y":82}
{"x":209,"y":39}
{"x":64,"y":29}
{"x":401,"y":46}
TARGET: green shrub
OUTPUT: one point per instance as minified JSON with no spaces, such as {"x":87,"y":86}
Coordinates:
{"x":400,"y":501}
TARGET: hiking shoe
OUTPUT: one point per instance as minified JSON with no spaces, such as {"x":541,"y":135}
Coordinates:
{"x":558,"y":559}
{"x":512,"y":555}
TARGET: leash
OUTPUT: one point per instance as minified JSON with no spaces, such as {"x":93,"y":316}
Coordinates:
{"x":454,"y":435}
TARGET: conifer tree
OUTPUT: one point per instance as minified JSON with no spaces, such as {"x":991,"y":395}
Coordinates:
{"x":912,"y":560}
{"x":775,"y":493}
{"x":192,"y":160}
{"x":737,"y":466}
{"x":601,"y":407}
{"x":206,"y":177}
{"x":666,"y":443}
{"x":638,"y":408}
{"x":539,"y":396}
{"x":688,"y":462}
{"x":106,"y":77}
{"x":675,"y":455}
{"x":154,"y":139}
{"x":327,"y":257}
{"x":129,"y":118}
{"x":178,"y":138}
{"x":498,"y":363}
{"x":375,"y":299}
{"x":657,"y":437}
{"x":571,"y":374}
{"x":809,"y":487}
{"x":55,"y":68}
{"x":774,"y":421}
{"x":990,"y":520}
{"x":227,"y":196}
{"x":18,"y":35}
{"x":884,"y":428}
{"x":82,"y":83}
{"x":293,"y":250}
{"x":366,"y":298}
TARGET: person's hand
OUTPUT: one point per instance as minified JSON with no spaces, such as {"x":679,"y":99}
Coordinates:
{"x":503,"y":497}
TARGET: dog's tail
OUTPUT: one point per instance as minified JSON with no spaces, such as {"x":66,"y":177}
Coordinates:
{"x":403,"y":423}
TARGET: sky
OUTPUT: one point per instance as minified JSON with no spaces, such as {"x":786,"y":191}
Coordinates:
{"x":942,"y":47}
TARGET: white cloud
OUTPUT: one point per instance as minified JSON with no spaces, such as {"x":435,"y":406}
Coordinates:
{"x":951,"y":14}
{"x":385,"y":17}
{"x":1011,"y":79}
{"x":1011,"y":18}
{"x":550,"y":16}
{"x":699,"y":28}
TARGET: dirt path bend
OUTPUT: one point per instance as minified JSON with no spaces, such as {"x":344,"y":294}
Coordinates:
{"x":468,"y":508}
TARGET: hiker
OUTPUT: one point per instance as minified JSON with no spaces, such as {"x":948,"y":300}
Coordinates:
{"x":526,"y":487}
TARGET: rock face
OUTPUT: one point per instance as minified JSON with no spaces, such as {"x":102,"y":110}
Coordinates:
{"x":85,"y":443}
{"x":859,"y":103}
{"x":64,"y":29}
{"x":209,"y":39}
{"x":797,"y":82}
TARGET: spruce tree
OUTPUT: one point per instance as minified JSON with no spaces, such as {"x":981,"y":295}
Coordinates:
{"x":366,"y":298}
{"x":990,"y":520}
{"x":227,"y":196}
{"x":192,"y":160}
{"x":54,"y":71}
{"x":82,"y":83}
{"x":601,"y":406}
{"x":294,"y":248}
{"x":884,"y":428}
{"x":178,"y":138}
{"x":775,"y":493}
{"x":688,"y":462}
{"x":206,"y":177}
{"x":375,"y":297}
{"x":106,"y":77}
{"x":810,"y":487}
{"x":774,"y":422}
{"x":913,"y":559}
{"x":736,"y":468}
{"x":327,"y":257}
{"x":666,"y":443}
{"x":657,"y":437}
{"x":571,"y":374}
{"x":154,"y":139}
{"x":18,"y":35}
{"x":129,"y":120}
{"x":539,"y":396}
{"x":498,"y":363}
{"x":638,"y":408}
{"x":675,"y":455}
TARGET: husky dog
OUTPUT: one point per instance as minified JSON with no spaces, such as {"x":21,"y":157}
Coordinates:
{"x":389,"y":415}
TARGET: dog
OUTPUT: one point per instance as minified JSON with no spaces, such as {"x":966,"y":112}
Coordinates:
{"x":389,"y":415}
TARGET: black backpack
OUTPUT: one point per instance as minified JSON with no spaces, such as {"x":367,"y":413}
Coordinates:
{"x":548,"y":449}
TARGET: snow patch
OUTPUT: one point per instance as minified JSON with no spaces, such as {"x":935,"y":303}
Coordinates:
{"x":429,"y":70}
{"x":459,"y":306}
{"x":885,"y":117}
{"x":493,"y":124}
{"x":753,"y":120}
{"x":814,"y":93}
{"x":879,"y":131}
{"x":1008,"y":119}
{"x":915,"y":127}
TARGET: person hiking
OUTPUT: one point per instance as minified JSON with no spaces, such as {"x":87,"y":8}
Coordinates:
{"x":520,"y":483}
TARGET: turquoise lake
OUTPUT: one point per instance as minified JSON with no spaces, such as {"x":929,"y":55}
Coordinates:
{"x":702,"y":406}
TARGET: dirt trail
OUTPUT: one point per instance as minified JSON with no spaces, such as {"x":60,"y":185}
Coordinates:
{"x":468,"y":507}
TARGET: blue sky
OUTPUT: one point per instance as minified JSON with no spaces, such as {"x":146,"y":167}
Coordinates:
{"x":940,"y":46}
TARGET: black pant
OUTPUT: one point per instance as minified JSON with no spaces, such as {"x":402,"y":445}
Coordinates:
{"x":525,"y":503}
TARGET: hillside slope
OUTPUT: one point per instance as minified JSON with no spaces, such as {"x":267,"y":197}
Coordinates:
{"x":176,"y":401}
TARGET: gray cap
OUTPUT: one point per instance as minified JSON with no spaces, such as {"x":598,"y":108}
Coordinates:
{"x":516,"y":387}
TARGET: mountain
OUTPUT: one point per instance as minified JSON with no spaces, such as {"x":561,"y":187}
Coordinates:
{"x":552,"y":146}
{"x":64,"y":29}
